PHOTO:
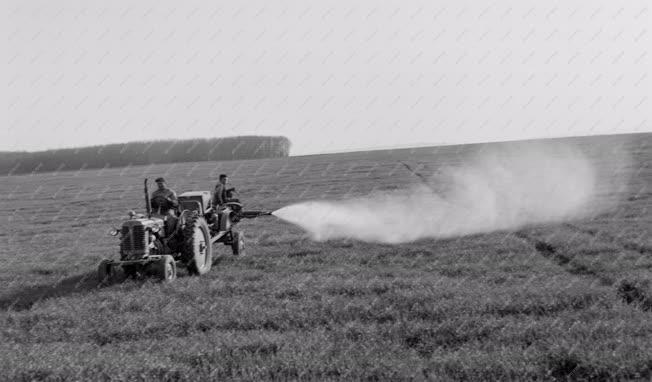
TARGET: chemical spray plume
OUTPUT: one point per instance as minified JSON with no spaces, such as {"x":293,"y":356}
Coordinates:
{"x":502,"y":188}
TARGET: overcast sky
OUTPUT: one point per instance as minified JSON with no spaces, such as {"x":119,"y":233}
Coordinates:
{"x":329,"y":75}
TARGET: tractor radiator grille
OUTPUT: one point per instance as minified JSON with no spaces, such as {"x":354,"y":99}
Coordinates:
{"x":134,"y":241}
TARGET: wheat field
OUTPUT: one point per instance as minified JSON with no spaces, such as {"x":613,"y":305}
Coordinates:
{"x":550,"y":301}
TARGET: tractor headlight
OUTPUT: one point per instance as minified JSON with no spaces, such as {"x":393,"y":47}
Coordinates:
{"x":114,"y":232}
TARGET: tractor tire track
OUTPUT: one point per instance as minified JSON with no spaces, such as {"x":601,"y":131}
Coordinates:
{"x":625,"y":244}
{"x":630,"y":292}
{"x":568,"y":263}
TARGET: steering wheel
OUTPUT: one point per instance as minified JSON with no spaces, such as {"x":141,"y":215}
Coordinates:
{"x":160,"y":201}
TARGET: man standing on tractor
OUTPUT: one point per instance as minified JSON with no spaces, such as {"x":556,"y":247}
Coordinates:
{"x":223,"y":193}
{"x":164,"y":201}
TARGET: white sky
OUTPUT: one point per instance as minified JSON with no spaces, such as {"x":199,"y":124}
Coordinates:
{"x":329,"y":75}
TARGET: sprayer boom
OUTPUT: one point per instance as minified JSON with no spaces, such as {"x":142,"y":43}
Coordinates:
{"x":253,"y":214}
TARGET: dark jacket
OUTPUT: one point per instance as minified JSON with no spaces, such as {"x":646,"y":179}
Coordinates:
{"x":219,"y":194}
{"x":164,"y":200}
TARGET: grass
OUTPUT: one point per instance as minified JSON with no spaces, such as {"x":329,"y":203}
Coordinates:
{"x":558,"y":301}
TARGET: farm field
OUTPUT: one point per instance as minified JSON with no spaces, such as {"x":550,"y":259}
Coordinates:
{"x":551,"y":301}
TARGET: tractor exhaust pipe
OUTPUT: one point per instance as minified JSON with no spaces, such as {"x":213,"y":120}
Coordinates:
{"x":148,"y":206}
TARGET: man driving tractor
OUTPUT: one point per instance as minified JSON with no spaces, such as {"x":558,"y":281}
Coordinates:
{"x":164,"y":201}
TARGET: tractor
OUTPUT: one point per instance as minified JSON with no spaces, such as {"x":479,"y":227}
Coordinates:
{"x":155,"y":244}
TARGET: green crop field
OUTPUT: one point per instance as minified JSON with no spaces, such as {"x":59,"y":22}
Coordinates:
{"x":553,"y":301}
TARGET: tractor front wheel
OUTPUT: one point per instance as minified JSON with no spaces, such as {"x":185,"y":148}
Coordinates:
{"x":238,"y":243}
{"x":165,"y":269}
{"x":105,"y":272}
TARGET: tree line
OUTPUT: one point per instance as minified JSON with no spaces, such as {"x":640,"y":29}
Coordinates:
{"x":143,"y":153}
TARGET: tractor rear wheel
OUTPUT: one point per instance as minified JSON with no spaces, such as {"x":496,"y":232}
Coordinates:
{"x":197,"y":251}
{"x":238,"y":243}
{"x":165,"y":269}
{"x":105,"y":272}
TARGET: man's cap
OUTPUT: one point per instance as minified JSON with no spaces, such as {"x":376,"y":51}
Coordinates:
{"x":159,"y":180}
{"x":223,"y":176}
